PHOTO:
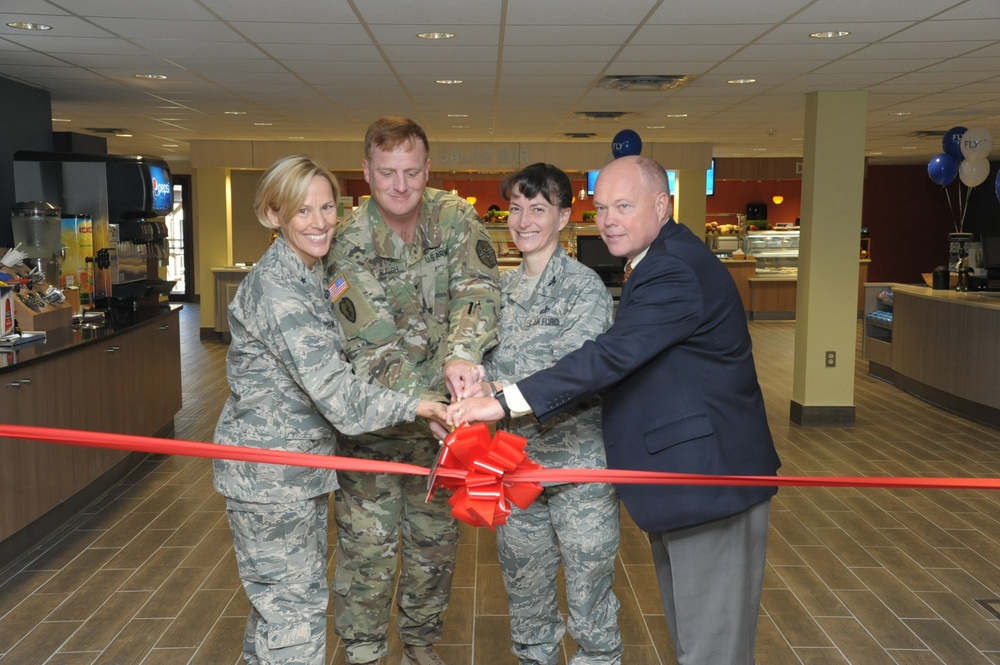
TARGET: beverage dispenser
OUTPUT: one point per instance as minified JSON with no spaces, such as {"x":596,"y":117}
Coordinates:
{"x":119,"y":200}
{"x":37,"y":229}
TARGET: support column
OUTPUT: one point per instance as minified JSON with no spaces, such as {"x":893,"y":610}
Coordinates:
{"x":215,"y":241}
{"x":689,"y":200}
{"x":827,"y":294}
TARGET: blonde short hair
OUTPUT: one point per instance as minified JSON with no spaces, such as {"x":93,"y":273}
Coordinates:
{"x":284,"y":186}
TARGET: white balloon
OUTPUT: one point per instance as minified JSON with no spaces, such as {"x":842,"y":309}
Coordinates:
{"x":975,"y":172}
{"x":977,"y":143}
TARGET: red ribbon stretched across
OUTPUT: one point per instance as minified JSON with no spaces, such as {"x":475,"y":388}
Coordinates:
{"x":476,"y":471}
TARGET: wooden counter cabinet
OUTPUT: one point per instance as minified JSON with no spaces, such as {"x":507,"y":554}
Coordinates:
{"x":127,"y":383}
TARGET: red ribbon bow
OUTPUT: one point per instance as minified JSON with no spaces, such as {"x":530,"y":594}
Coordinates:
{"x":472,"y":466}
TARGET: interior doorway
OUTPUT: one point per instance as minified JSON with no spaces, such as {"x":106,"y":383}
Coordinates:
{"x":180,"y":249}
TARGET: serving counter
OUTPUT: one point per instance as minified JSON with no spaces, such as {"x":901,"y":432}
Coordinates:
{"x":940,"y":345}
{"x":123,"y":377}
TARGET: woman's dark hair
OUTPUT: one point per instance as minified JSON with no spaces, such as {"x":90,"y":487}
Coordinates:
{"x":540,"y":178}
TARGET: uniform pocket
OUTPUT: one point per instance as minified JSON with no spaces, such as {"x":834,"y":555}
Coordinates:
{"x":282,"y":637}
{"x":343,"y":578}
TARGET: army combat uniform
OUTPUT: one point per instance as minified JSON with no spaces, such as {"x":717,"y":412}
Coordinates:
{"x":290,"y":387}
{"x":407,"y":309}
{"x":541,"y":320}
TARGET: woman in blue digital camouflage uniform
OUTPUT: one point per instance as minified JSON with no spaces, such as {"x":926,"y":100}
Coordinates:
{"x":290,"y":389}
{"x":550,"y":306}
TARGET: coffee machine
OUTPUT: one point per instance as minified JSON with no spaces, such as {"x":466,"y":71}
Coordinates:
{"x":122,"y":199}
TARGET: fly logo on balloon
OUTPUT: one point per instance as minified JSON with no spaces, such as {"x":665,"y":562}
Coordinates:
{"x":965,"y":156}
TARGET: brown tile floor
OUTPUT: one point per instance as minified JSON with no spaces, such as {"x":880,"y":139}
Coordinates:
{"x":146,"y":574}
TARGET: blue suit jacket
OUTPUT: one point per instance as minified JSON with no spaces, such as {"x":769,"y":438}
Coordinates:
{"x":679,"y":382}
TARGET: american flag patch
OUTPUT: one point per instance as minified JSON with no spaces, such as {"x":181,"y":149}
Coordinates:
{"x":337,"y":287}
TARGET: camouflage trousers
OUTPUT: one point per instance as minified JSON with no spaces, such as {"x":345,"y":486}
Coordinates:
{"x":379,"y":515}
{"x":577,"y":524}
{"x":281,"y":553}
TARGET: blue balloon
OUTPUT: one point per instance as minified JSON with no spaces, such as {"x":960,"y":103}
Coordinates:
{"x":952,"y":143}
{"x":998,"y":185}
{"x":626,"y":142}
{"x":942,"y":169}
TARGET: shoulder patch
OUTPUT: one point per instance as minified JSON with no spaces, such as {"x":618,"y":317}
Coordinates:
{"x":347,"y":309}
{"x":484,"y":250}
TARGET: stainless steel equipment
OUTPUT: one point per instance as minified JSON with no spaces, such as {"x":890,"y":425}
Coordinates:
{"x":125,"y":198}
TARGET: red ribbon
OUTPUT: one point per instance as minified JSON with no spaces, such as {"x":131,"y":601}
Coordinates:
{"x":481,"y":489}
{"x":487,"y":474}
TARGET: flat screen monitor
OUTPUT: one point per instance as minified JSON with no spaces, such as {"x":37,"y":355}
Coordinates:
{"x":671,"y":179}
{"x":709,"y":180}
{"x":991,"y":251}
{"x":593,"y":253}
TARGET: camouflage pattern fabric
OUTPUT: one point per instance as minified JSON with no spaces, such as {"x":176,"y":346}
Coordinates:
{"x":408,"y":308}
{"x":576,"y":524}
{"x":281,"y":554}
{"x":290,"y":387}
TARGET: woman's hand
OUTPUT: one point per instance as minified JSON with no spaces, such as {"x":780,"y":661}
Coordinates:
{"x":433,"y":411}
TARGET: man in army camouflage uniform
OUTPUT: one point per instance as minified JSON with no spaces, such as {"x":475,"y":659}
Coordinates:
{"x":418,"y":304}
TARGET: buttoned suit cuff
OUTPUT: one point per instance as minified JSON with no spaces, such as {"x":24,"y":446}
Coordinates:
{"x":515,"y":401}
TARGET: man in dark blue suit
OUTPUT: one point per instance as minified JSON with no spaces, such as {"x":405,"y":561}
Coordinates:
{"x":680,"y":394}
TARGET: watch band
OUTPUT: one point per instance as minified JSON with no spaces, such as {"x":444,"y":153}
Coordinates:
{"x":503,"y":403}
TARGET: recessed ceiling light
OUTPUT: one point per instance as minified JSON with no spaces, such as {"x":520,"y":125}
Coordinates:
{"x":829,"y":34}
{"x":170,"y":145}
{"x":677,"y":115}
{"x":234,"y":112}
{"x":900,"y":113}
{"x":296,"y":138}
{"x":263,"y":124}
{"x":656,"y":126}
{"x":61,"y":120}
{"x":435,"y":35}
{"x":154,"y":77}
{"x":449,"y":81}
{"x":458,"y":115}
{"x":760,"y":149}
{"x":741,"y":81}
{"x":124,"y":136}
{"x":26,"y":25}
{"x":460,"y":126}
{"x":908,"y":147}
{"x":875,"y":154}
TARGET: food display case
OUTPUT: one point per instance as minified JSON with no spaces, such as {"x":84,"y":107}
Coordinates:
{"x":776,"y":252}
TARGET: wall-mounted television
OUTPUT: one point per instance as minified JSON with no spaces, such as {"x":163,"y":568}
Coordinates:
{"x":671,"y":178}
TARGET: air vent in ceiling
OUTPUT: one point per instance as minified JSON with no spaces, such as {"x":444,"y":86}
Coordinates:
{"x":580,"y":135}
{"x":601,"y":115}
{"x":106,"y":130}
{"x":650,"y":83}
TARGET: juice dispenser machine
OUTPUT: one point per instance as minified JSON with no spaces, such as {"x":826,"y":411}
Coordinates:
{"x":117,"y":203}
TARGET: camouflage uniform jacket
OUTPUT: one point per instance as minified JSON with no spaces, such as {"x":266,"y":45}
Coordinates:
{"x":410,"y":307}
{"x":290,"y":384}
{"x":569,"y":306}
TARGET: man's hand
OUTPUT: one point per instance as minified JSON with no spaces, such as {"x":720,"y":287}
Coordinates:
{"x":475,"y":410}
{"x":462,"y":378}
